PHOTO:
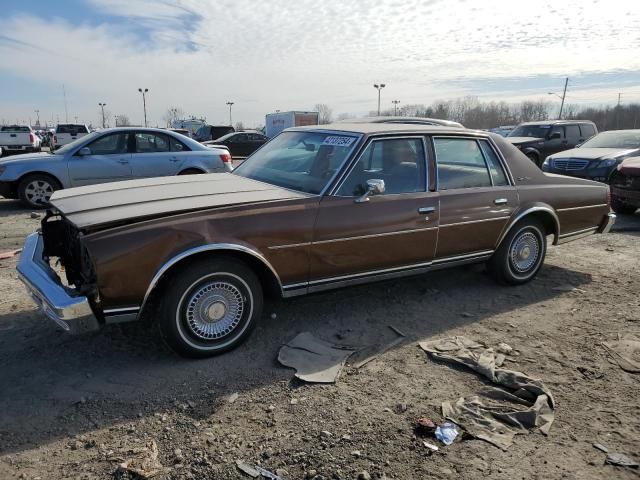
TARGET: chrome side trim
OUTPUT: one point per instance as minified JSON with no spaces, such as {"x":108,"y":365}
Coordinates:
{"x":205,"y":248}
{"x":581,"y":208}
{"x":578,"y":232}
{"x":296,"y":289}
{"x":569,"y":237}
{"x":607,"y":222}
{"x":290,"y":245}
{"x":526,"y":212}
{"x":374,"y":235}
{"x":115,"y":311}
{"x":473,"y":221}
{"x":467,"y":256}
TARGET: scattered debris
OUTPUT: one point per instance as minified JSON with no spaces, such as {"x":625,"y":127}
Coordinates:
{"x":601,"y":447}
{"x":267,"y":474}
{"x":233,"y":397}
{"x":248,"y":469}
{"x":430,"y":446}
{"x":364,"y":475}
{"x":424,"y":427}
{"x":529,"y":405}
{"x":623,"y":352}
{"x":401,"y":336}
{"x":621,"y":460}
{"x":504,"y":348}
{"x":314,"y":360}
{"x":590,"y":373}
{"x":142,"y":461}
{"x":568,"y":288}
{"x":446,"y":433}
{"x":35,"y":215}
{"x":10,"y":254}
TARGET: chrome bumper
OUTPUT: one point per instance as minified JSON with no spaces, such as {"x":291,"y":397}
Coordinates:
{"x":70,"y":311}
{"x":607,"y":223}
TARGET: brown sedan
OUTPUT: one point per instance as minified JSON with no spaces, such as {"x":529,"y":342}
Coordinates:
{"x":314,"y":209}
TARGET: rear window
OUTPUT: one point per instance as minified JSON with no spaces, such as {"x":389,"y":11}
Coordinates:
{"x":72,"y":129}
{"x":15,"y":129}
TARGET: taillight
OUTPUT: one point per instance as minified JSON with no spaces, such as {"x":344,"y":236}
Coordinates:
{"x":226,"y":157}
{"x":32,"y":138}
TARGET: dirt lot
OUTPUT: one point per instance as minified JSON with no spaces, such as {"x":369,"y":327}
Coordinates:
{"x":76,"y":407}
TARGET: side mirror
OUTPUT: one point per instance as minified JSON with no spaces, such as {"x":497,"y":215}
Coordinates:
{"x":374,"y":187}
{"x":555,"y":135}
{"x":84,"y":151}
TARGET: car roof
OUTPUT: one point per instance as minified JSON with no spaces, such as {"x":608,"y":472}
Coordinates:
{"x":555,"y":122}
{"x":379,"y":128}
{"x":399,"y":119}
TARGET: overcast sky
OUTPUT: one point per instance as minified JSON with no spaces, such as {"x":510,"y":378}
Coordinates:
{"x":292,"y":54}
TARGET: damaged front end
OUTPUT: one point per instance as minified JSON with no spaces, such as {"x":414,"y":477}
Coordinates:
{"x":70,"y":304}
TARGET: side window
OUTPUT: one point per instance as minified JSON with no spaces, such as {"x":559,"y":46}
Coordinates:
{"x":113,"y":144}
{"x":559,"y":130}
{"x":495,"y":167}
{"x":151,"y":143}
{"x":573,"y":133}
{"x":399,"y":162}
{"x":177,"y":146}
{"x":587,"y":130}
{"x":460,"y":164}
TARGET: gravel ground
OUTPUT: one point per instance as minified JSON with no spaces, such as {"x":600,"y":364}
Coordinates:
{"x":77,"y":407}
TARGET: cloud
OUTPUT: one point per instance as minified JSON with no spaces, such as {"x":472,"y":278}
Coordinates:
{"x":285,"y":54}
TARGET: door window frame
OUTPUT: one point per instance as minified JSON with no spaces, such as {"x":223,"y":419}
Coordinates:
{"x":346,"y":172}
{"x":496,"y":150}
{"x":135,"y":142}
{"x":101,"y":137}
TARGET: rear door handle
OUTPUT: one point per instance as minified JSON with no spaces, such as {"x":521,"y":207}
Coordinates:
{"x":174,"y":159}
{"x":123,"y":161}
{"x":426,"y":210}
{"x":500,"y":201}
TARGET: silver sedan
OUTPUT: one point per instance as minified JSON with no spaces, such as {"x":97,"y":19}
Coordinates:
{"x":107,"y":156}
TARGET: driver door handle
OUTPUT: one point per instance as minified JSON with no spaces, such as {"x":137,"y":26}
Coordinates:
{"x":426,"y":210}
{"x":123,"y":161}
{"x":174,"y":159}
{"x":500,"y":201}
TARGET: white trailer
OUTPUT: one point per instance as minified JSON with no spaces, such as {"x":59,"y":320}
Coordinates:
{"x":276,"y":122}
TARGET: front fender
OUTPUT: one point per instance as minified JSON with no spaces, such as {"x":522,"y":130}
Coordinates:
{"x":15,"y":171}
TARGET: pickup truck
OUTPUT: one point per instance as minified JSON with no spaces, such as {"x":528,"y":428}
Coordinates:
{"x":18,"y":139}
{"x":67,"y":133}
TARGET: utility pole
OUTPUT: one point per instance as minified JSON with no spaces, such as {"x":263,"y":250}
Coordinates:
{"x":379,"y":87}
{"x":37,"y":119}
{"x":144,"y":104}
{"x":564,"y":94}
{"x":66,"y":111}
{"x":102,"y":105}
{"x":230,"y":105}
{"x":395,"y":107}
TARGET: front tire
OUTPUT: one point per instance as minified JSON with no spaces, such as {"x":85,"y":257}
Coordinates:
{"x":35,"y":190}
{"x":622,"y":208}
{"x":521,"y":253}
{"x":534,"y":158}
{"x":210,"y":306}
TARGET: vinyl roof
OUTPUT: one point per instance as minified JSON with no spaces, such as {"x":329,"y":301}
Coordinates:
{"x":372,"y":128}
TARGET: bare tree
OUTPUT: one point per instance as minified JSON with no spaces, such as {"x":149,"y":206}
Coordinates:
{"x":239,"y":127}
{"x":122,"y":120}
{"x":172,"y":114}
{"x":325,"y":113}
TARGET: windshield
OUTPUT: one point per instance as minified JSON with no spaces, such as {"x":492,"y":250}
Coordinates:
{"x":303,"y":161}
{"x":76,"y":143}
{"x":535,"y":131}
{"x":614,"y":140}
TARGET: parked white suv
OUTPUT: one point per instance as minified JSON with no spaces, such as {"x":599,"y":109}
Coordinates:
{"x":68,"y":132}
{"x":18,"y":139}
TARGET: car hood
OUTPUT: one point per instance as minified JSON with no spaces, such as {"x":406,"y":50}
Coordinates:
{"x":111,"y":203}
{"x":26,"y":157}
{"x":523,"y":140}
{"x":593,"y":153}
{"x":630,"y":166}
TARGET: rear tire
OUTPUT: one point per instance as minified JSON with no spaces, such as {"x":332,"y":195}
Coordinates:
{"x":209,"y":307}
{"x":36,"y":189}
{"x":521,"y":253}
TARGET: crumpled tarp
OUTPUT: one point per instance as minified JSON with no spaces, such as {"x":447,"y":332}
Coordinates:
{"x":498,"y":419}
{"x":314,"y":360}
{"x":623,"y":352}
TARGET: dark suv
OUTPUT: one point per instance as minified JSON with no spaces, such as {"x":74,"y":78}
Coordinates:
{"x":538,"y":140}
{"x":212,"y":132}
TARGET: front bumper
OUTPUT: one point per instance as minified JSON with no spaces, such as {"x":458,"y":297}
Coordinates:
{"x":607,"y":223}
{"x":631,"y":197}
{"x":589,"y":173}
{"x":70,"y":311}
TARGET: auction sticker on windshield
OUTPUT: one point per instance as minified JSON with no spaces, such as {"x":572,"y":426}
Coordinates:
{"x":338,"y":141}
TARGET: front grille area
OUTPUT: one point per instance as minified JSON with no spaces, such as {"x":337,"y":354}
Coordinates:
{"x":570,"y":164}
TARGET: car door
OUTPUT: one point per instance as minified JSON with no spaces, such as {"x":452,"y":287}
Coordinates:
{"x":109,"y":161}
{"x":256,"y":141}
{"x":573,"y":136}
{"x":152,"y":156}
{"x":556,"y":142}
{"x":393,"y":231}
{"x":477,"y":197}
{"x":241,"y":145}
